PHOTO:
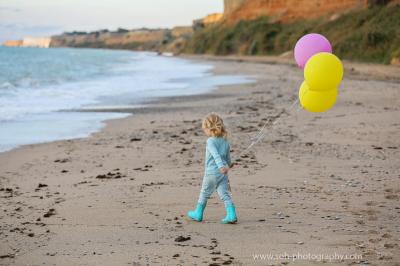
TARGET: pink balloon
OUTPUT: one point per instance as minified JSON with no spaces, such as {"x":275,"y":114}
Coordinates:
{"x":309,"y":45}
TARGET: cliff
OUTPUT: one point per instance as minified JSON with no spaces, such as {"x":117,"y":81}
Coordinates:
{"x":232,"y":5}
{"x":29,"y":42}
{"x":139,"y":39}
{"x":12,"y":43}
{"x":291,"y":10}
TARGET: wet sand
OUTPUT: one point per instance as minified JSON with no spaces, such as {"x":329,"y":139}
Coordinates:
{"x":316,"y":184}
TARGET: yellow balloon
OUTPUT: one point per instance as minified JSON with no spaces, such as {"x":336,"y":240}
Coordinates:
{"x":303,"y":89}
{"x":323,"y":71}
{"x":317,"y":101}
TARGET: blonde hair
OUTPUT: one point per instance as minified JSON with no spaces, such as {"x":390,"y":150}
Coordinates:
{"x":214,"y":125}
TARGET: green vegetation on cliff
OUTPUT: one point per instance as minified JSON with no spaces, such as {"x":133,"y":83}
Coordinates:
{"x":371,"y":35}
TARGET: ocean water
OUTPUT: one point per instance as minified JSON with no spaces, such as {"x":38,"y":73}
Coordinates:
{"x":41,"y":90}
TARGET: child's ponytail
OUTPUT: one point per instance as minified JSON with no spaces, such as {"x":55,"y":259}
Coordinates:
{"x":215,"y":125}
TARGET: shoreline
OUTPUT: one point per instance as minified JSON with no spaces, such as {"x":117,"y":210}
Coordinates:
{"x":114,"y":111}
{"x":319,"y":183}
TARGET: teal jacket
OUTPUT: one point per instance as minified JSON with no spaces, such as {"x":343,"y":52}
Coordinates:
{"x":217,"y":155}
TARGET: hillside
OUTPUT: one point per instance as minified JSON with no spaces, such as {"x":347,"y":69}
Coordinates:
{"x":139,"y":39}
{"x":370,"y":35}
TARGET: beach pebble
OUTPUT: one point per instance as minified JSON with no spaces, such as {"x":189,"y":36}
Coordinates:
{"x":182,"y":238}
{"x":62,"y":160}
{"x":49,"y":213}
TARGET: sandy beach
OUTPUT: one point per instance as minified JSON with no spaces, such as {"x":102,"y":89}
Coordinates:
{"x":319,"y":188}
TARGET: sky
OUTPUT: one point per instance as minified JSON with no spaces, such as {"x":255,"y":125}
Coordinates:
{"x":19,"y":18}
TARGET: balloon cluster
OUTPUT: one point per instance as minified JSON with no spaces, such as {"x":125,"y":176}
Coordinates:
{"x":323,"y":72}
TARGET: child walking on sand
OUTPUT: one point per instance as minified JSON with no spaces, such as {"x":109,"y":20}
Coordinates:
{"x":217,"y":164}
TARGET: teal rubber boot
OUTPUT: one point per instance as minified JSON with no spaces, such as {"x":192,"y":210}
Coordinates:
{"x":230,"y":217}
{"x":197,"y":215}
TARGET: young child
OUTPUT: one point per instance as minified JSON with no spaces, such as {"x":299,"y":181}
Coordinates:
{"x":217,"y":164}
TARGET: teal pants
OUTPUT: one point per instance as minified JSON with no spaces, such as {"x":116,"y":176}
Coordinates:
{"x":219,"y":182}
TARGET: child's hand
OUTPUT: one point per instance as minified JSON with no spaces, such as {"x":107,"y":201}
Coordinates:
{"x":224,"y":170}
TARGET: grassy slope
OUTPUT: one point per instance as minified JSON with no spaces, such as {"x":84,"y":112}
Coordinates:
{"x":371,"y":35}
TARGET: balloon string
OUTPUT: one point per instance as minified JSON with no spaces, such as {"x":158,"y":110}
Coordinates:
{"x":275,"y":122}
{"x":260,"y":134}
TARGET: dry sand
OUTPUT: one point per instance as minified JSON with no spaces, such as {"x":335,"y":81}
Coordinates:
{"x":317,"y":184}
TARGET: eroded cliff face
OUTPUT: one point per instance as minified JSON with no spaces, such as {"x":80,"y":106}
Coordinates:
{"x":231,"y":5}
{"x":43,"y":42}
{"x":289,"y":10}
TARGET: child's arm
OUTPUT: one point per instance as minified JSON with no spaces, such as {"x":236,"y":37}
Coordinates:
{"x":214,"y":153}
